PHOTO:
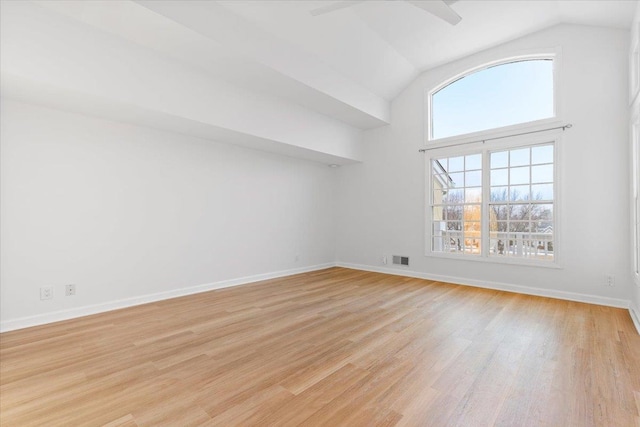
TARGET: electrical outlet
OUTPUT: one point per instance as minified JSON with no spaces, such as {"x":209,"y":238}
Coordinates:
{"x":46,"y":292}
{"x":297,"y":258}
{"x":611,"y":280}
{"x":70,"y":290}
{"x":384,"y":259}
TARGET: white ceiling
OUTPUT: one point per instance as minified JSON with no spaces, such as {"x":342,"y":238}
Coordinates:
{"x":384,"y":44}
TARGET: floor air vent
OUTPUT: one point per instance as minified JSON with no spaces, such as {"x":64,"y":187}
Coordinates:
{"x":401,"y":260}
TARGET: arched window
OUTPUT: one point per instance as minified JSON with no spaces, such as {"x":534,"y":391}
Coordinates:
{"x":495,"y":198}
{"x":501,"y":95}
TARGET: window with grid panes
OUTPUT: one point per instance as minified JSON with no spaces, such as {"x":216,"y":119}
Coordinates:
{"x":494,"y":203}
{"x":491,"y":191}
{"x":457,"y":204}
{"x":521,"y":199}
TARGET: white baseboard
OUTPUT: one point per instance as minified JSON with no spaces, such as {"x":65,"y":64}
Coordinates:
{"x":635,"y":316}
{"x":56,"y":316}
{"x":41,"y":319}
{"x":550,"y":293}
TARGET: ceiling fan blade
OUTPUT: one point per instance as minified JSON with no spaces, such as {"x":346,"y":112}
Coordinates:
{"x":438,"y":8}
{"x":334,"y":6}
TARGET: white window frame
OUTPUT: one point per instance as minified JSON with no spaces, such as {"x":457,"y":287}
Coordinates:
{"x":634,"y":63}
{"x":486,"y":148}
{"x":553,"y":55}
{"x":502,"y":138}
{"x":635,"y":194}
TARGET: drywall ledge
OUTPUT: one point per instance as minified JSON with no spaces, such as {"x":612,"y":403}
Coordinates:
{"x":507,"y":287}
{"x":60,"y":60}
{"x":19,"y":89}
{"x":41,"y":319}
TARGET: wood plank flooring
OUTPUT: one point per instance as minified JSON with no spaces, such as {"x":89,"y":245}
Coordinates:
{"x":333,"y":347}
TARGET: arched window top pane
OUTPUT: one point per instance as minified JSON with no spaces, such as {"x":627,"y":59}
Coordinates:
{"x":502,"y":95}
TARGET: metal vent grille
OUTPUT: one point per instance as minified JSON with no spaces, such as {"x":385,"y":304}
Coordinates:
{"x":400,"y":260}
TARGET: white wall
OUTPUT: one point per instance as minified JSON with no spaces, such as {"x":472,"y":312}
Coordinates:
{"x":634,"y":112}
{"x":126,"y":212}
{"x":381,"y":201}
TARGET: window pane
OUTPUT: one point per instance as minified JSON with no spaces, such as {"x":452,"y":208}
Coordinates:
{"x":471,"y":245}
{"x":502,"y":95}
{"x":454,"y":225}
{"x":519,"y":193}
{"x":500,"y":177}
{"x":519,"y":157}
{"x":472,"y":227}
{"x":457,"y":179}
{"x":519,"y":212}
{"x":438,"y":228}
{"x":500,"y":159}
{"x":439,"y":181}
{"x":542,"y":192}
{"x":538,"y":227}
{"x":529,"y":224}
{"x":455,"y":164}
{"x":473,"y":162}
{"x":497,"y":247}
{"x":455,"y":196}
{"x":542,"y":173}
{"x":520,"y":216}
{"x":472,"y":212}
{"x":542,"y":154}
{"x":499,"y":212}
{"x":473,"y":179}
{"x":519,"y":175}
{"x":543,"y":213}
{"x":437,"y":213}
{"x":499,"y":194}
{"x":519,"y":226}
{"x":456,"y":204}
{"x":436,"y":244}
{"x":500,"y":227}
{"x":473,"y":195}
{"x":454,"y":213}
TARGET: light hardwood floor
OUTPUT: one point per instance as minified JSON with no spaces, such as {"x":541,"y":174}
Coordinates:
{"x":333,"y":347}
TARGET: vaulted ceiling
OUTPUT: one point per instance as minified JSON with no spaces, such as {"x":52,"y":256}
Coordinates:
{"x":383,"y":44}
{"x":266,"y":74}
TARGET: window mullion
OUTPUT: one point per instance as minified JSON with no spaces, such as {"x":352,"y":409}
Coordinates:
{"x":486,"y":192}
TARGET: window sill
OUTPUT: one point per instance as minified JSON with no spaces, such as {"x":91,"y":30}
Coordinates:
{"x":502,"y":261}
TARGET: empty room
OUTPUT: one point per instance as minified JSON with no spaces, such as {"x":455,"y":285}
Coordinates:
{"x":320,"y":213}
